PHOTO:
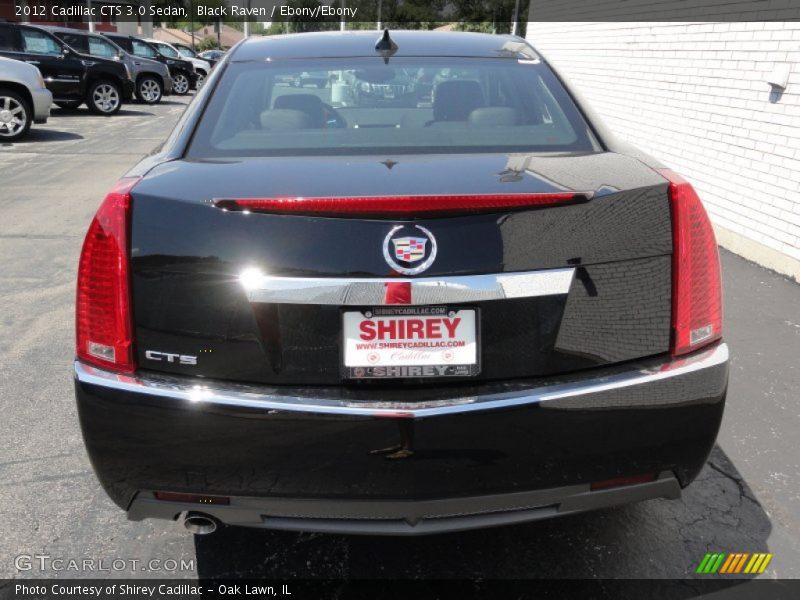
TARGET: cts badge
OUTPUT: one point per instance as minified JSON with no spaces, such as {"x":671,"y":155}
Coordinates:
{"x":409,"y":254}
{"x":181,"y":359}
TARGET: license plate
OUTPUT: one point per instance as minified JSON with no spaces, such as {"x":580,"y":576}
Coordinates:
{"x":396,"y":342}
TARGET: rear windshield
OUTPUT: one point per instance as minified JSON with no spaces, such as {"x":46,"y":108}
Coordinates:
{"x":411,"y":105}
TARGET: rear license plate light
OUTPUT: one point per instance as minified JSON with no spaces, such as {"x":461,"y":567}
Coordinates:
{"x":191,"y":498}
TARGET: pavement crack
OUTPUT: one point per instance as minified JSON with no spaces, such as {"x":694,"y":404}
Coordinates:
{"x":737,"y":480}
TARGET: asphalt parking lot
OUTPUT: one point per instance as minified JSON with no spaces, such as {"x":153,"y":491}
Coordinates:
{"x":746,"y":500}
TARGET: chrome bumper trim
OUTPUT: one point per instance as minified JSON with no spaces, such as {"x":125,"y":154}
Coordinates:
{"x":585,"y":391}
{"x":424,"y":290}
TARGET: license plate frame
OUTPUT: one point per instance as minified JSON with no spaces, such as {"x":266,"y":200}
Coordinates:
{"x":406,"y":371}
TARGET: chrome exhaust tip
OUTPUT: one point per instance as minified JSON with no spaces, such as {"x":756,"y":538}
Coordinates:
{"x":200,"y":524}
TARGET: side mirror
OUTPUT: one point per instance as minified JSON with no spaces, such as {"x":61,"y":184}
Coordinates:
{"x":65,"y":51}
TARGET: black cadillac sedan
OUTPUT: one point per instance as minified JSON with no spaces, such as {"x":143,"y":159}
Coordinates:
{"x":472,"y":308}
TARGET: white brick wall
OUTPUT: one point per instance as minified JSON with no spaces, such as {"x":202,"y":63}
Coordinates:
{"x":695,"y":96}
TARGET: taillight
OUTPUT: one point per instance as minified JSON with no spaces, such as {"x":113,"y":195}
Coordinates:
{"x":103,"y":329}
{"x":696,"y":285}
{"x":402,"y":206}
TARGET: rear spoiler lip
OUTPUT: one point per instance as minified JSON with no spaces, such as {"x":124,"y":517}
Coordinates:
{"x":402,"y":206}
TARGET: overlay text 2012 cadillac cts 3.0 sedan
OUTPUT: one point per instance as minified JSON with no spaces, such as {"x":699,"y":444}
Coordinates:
{"x":460,"y":306}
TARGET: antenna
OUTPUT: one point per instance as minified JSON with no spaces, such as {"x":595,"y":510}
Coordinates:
{"x":385,"y":46}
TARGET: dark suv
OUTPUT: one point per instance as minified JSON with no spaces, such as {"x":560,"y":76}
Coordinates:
{"x":73,"y":78}
{"x":151,"y":77}
{"x":182,"y":71}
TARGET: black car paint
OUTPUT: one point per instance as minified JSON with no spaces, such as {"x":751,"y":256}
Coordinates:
{"x":68,"y":75}
{"x":188,"y":299}
{"x":140,"y":443}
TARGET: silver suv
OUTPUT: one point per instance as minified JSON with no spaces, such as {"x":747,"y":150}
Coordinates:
{"x":23,"y":99}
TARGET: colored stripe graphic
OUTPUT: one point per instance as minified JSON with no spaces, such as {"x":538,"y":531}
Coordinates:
{"x":764,"y":564}
{"x":711,"y":562}
{"x":735,"y":563}
{"x":740,"y":564}
{"x":754,"y":562}
{"x":718,"y":562}
{"x":728,"y":563}
{"x":703,"y":563}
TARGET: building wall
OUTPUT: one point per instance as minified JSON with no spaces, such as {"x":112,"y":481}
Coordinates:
{"x":696,"y":96}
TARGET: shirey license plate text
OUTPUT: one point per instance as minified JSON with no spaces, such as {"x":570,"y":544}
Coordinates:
{"x":410,"y":343}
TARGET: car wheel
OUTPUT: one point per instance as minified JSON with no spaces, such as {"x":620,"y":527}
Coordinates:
{"x":104,"y":98}
{"x":149,"y":90}
{"x":201,"y":79}
{"x":71,"y":104}
{"x":15,"y":116}
{"x":180,"y":84}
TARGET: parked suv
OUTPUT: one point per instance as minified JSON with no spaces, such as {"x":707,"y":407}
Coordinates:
{"x":181,"y":71}
{"x":23,"y":99}
{"x":72,"y":77}
{"x":152,"y":78}
{"x":201,"y":67}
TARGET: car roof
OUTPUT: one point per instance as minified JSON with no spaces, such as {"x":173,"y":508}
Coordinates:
{"x":55,"y":29}
{"x":333,"y":44}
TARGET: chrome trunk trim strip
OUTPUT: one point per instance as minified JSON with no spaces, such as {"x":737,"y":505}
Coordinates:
{"x":424,"y":290}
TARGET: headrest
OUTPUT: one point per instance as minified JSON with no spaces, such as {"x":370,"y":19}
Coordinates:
{"x":455,"y":100}
{"x":493,"y":116}
{"x":307,"y":103}
{"x":284,"y":118}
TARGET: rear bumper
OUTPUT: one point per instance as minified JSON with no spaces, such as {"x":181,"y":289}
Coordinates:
{"x":409,"y":517}
{"x":497,"y":453}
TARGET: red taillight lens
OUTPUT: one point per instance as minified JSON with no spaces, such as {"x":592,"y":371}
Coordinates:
{"x":696,"y":285}
{"x":402,"y":206}
{"x":103,"y":330}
